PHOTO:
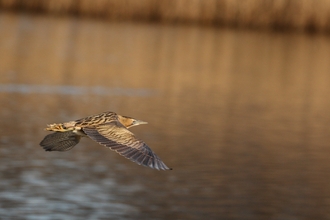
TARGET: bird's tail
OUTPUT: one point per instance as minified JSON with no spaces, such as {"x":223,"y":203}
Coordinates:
{"x":60,"y":141}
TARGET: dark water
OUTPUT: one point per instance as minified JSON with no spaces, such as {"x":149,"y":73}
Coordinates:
{"x":242,"y":117}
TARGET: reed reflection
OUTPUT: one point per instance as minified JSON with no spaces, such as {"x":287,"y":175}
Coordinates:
{"x":240,"y":115}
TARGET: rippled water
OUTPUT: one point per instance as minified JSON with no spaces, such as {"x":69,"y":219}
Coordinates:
{"x":241,"y":116}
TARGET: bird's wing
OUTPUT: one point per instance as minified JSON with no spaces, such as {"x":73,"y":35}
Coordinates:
{"x":115,"y":136}
{"x":60,"y":141}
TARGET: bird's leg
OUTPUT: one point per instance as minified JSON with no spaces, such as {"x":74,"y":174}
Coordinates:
{"x":56,"y":127}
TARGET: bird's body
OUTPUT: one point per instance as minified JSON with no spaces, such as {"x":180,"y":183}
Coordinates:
{"x":108,"y":129}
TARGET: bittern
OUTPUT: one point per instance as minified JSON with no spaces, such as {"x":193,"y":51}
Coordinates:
{"x":108,"y":129}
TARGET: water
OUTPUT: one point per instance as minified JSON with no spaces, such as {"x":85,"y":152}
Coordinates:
{"x":241,"y":116}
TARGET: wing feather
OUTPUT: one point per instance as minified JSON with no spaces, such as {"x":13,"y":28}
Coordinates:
{"x":115,"y":136}
{"x":60,"y":141}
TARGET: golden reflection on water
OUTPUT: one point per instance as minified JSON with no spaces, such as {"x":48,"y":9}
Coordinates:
{"x":241,"y":116}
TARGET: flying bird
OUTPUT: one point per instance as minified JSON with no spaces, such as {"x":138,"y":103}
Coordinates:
{"x":108,"y":129}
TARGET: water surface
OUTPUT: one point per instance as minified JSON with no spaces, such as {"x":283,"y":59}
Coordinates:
{"x":241,"y":116}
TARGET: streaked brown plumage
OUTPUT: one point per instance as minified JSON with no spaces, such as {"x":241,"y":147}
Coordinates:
{"x":108,"y":129}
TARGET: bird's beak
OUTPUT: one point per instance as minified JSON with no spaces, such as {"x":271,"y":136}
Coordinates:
{"x":139,"y":122}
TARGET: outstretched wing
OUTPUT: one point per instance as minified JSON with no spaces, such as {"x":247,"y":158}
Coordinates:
{"x":115,"y":136}
{"x":60,"y":141}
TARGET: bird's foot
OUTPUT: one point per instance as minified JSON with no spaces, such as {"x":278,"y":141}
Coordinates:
{"x":56,"y":127}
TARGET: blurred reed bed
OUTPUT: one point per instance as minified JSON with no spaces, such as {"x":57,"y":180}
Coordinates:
{"x":310,"y":15}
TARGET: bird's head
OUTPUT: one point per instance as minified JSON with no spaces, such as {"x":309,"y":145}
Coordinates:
{"x":130,"y":122}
